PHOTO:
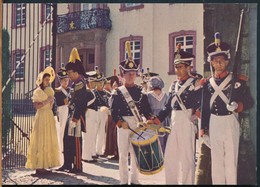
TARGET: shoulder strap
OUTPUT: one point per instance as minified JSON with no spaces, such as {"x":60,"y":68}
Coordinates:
{"x":182,"y":88}
{"x":67,"y":94}
{"x":218,"y":89}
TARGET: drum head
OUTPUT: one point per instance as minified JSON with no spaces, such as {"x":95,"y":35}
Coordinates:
{"x":145,"y":133}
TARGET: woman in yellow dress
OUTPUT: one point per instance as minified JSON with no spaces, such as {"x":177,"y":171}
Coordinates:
{"x":43,"y":151}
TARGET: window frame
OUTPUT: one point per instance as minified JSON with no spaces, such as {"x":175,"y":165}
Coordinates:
{"x":43,"y":13}
{"x":98,"y":6}
{"x":14,"y":54}
{"x":42,"y":56}
{"x":123,"y":51}
{"x":123,"y":7}
{"x":14,"y":16}
{"x":172,"y":48}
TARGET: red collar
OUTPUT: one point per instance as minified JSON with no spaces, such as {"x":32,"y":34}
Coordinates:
{"x":221,"y":75}
{"x":129,"y":85}
{"x":183,"y":78}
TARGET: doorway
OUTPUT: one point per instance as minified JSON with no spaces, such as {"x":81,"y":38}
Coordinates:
{"x":87,"y":57}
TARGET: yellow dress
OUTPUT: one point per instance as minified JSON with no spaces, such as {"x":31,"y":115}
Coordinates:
{"x":43,"y":151}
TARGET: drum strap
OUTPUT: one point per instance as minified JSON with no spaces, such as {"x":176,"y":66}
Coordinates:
{"x":130,"y":103}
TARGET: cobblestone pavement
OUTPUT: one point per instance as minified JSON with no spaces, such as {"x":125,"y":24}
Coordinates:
{"x":104,"y":172}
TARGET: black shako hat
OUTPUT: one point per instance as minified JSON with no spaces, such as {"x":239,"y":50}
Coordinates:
{"x":62,"y":73}
{"x":183,"y":57}
{"x":95,"y":75}
{"x":218,"y":48}
{"x":129,"y":65}
{"x":75,"y":63}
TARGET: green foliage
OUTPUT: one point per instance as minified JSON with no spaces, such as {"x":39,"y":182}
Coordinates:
{"x":6,"y":95}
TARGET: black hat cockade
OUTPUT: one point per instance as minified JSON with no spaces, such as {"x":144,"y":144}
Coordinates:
{"x":218,"y":48}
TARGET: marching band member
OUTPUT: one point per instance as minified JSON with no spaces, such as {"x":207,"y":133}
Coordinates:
{"x":81,"y":99}
{"x":184,"y":96}
{"x":127,"y":117}
{"x":102,"y":111}
{"x":89,"y":142}
{"x":219,"y":118}
{"x":62,"y":97}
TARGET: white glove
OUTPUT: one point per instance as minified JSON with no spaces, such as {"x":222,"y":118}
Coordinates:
{"x":72,"y":124}
{"x":206,"y":140}
{"x":71,"y":129}
{"x":232,"y":107}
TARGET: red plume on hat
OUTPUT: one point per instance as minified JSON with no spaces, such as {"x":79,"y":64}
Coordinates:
{"x":75,"y":63}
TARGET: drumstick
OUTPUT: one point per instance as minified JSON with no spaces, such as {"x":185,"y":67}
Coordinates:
{"x":139,"y":135}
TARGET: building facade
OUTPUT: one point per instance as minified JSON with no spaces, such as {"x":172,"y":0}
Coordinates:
{"x":152,"y":29}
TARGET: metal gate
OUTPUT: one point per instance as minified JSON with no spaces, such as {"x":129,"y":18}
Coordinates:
{"x":27,"y":49}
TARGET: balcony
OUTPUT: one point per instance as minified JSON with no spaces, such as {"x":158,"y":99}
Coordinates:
{"x":84,"y":20}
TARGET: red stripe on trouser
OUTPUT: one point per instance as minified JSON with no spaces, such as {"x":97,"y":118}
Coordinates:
{"x":78,"y":154}
{"x":83,"y":122}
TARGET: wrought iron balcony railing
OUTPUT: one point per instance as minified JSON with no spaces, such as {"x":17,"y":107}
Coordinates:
{"x":84,"y":20}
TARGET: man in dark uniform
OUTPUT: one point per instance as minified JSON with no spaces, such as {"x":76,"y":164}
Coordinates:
{"x":219,"y":117}
{"x":127,"y":117}
{"x":81,"y":99}
{"x":184,"y":98}
{"x":62,"y":98}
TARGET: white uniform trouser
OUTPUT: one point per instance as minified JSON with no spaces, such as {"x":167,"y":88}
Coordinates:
{"x":63,"y":112}
{"x":100,"y":132}
{"x":124,"y":147}
{"x":88,"y":149}
{"x":224,"y":134}
{"x":180,"y":150}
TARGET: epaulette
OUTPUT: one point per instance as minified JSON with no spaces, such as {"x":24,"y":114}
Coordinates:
{"x":139,"y":87}
{"x":243,"y":77}
{"x":114,"y":92}
{"x":57,"y":89}
{"x":78,"y":86}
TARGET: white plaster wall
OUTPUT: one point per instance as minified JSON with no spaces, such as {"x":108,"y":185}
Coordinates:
{"x":154,"y":22}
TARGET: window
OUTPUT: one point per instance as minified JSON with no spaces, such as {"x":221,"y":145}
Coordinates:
{"x":46,"y":12}
{"x":188,"y":42}
{"x":18,"y":59}
{"x":136,"y":43}
{"x":130,"y":6}
{"x":19,"y":15}
{"x":46,"y":53}
{"x":90,"y":6}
